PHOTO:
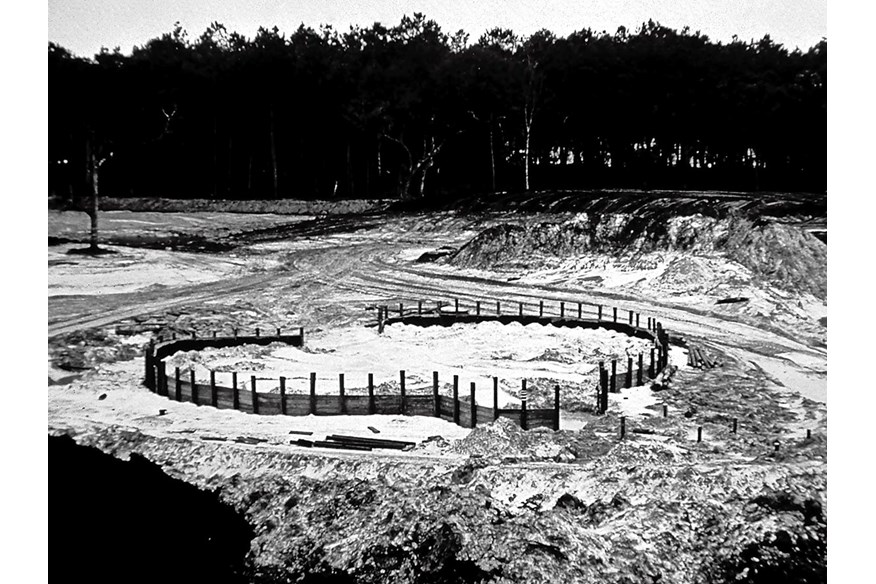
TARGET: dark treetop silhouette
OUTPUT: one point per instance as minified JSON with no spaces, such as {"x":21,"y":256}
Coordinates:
{"x":412,"y":111}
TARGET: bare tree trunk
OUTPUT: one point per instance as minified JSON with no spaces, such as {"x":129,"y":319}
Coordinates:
{"x":92,"y":213}
{"x":423,"y":181}
{"x":528,"y":128}
{"x":91,"y":173}
{"x":274,"y":155}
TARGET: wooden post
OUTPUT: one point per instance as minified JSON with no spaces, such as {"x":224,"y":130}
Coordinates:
{"x":478,"y":308}
{"x":213,"y":397}
{"x":603,"y":388}
{"x":456,"y":305}
{"x":495,"y":398}
{"x":498,"y":308}
{"x":640,"y":372}
{"x":579,"y":311}
{"x":637,"y":320}
{"x":253,"y":395}
{"x":420,"y":307}
{"x":342,"y":401}
{"x":614,"y":313}
{"x":194,"y":392}
{"x":379,"y":320}
{"x":623,"y":428}
{"x":521,"y":308}
{"x":313,"y":393}
{"x":214,"y":334}
{"x":161,"y":379}
{"x":540,"y":308}
{"x":666,"y":350}
{"x":173,"y":335}
{"x":665,"y":410}
{"x":649,"y":323}
{"x":456,"y":399}
{"x":699,"y":434}
{"x":631,"y":318}
{"x":258,"y":332}
{"x":282,"y":395}
{"x":556,"y":407}
{"x":629,"y":376}
{"x":301,"y":334}
{"x":278,"y":332}
{"x":736,"y":425}
{"x":524,"y":423}
{"x":435,"y":394}
{"x":370,"y":393}
{"x":235,"y":393}
{"x":401,"y":310}
{"x":150,"y":368}
{"x":651,"y":372}
{"x":614,"y":376}
{"x":473,"y":406}
{"x":194,"y":335}
{"x":234,"y":331}
{"x":562,"y":309}
{"x":401,"y":375}
{"x":178,"y":389}
{"x":808,"y":434}
{"x":599,"y":314}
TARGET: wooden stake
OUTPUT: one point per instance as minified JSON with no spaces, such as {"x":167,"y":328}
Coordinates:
{"x":473,"y":406}
{"x":282,"y":395}
{"x":435,"y":394}
{"x":456,"y":399}
{"x":495,"y":398}
{"x":342,"y":402}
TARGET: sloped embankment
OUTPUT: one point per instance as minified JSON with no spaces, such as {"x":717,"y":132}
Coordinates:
{"x":782,"y":254}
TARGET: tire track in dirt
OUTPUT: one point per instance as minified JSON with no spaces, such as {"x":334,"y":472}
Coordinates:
{"x":98,"y":315}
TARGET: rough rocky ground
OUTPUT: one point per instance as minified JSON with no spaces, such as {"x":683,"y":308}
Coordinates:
{"x":494,"y":504}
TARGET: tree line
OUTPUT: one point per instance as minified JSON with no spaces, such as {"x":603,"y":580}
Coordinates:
{"x":412,"y":111}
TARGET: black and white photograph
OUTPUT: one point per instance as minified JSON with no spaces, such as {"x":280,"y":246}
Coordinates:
{"x":436,"y":292}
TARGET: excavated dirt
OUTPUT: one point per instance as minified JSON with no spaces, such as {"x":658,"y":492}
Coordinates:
{"x":780,"y":254}
{"x":494,"y":504}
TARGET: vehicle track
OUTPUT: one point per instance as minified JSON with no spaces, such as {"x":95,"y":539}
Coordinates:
{"x":98,"y":314}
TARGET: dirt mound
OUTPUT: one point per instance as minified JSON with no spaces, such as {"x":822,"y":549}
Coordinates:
{"x":505,"y":439}
{"x":782,"y":254}
{"x":281,"y":207}
{"x":587,"y":233}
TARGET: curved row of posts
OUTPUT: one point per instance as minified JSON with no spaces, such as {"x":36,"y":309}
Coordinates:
{"x":556,"y":313}
{"x":464,"y":412}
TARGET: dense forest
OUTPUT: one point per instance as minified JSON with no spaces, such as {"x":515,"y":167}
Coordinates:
{"x":413,"y":111}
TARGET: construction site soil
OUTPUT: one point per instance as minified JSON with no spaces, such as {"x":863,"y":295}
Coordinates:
{"x":719,"y":477}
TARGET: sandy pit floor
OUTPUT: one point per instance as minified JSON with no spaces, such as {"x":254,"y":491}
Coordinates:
{"x":473,"y":352}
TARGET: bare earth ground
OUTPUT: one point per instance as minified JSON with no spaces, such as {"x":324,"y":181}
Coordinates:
{"x":494,"y":504}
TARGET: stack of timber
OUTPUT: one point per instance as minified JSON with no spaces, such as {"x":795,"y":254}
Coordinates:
{"x":355,"y":443}
{"x":697,"y":357}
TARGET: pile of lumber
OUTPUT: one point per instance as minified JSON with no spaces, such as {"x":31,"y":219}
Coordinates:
{"x":354,"y":443}
{"x":697,"y":357}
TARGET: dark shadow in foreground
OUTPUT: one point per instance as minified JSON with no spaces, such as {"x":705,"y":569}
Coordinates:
{"x":117,"y":521}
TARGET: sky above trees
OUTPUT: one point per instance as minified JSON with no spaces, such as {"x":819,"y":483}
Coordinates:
{"x":84,"y":26}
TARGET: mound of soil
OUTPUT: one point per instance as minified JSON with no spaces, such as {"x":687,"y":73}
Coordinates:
{"x":280,"y":207}
{"x":782,"y":254}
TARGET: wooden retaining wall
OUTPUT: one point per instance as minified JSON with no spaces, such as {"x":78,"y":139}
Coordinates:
{"x":461,"y":408}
